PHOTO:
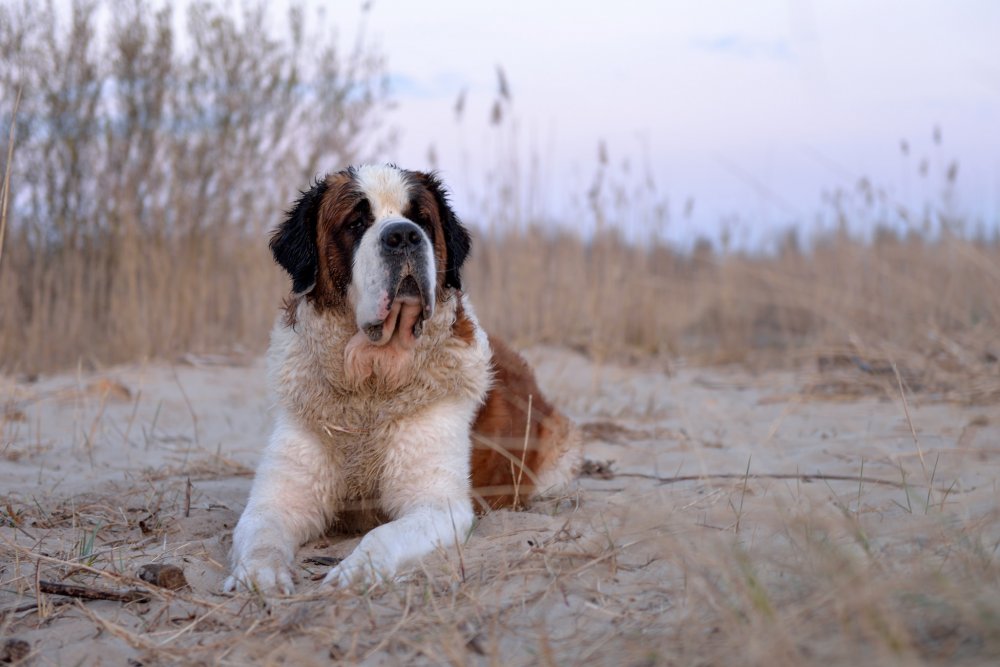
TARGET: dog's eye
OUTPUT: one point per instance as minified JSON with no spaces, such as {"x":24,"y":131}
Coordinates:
{"x":359,"y":218}
{"x":357,"y":224}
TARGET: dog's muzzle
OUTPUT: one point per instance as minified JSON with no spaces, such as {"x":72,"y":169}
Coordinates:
{"x":402,"y":258}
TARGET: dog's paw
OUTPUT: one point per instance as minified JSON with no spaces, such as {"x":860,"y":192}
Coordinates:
{"x":267,"y":575}
{"x":358,"y":569}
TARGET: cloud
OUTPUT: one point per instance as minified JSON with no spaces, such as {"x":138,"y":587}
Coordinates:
{"x":743,"y":46}
{"x":445,"y":84}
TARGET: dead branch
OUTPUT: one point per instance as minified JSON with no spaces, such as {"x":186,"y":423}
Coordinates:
{"x":88,"y":593}
{"x":802,"y":477}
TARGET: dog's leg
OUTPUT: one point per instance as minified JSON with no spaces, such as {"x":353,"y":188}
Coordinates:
{"x":425,"y":489}
{"x":290,"y":502}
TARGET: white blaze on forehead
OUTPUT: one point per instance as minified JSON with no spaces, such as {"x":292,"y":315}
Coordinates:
{"x":386,"y":188}
{"x":372,"y":289}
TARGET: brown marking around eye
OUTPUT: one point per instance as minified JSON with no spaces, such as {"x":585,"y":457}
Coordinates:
{"x":334,"y":243}
{"x":424,"y":207}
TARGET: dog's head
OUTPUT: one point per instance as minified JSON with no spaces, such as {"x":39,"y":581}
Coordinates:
{"x":376,"y":241}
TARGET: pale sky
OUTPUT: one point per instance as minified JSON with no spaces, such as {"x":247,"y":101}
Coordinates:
{"x":751,"y":108}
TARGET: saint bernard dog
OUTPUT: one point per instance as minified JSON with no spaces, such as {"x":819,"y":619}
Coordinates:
{"x":396,"y":412}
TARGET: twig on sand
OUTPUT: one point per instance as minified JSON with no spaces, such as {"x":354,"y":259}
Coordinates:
{"x":88,"y":593}
{"x":29,"y":607}
{"x":802,"y":477}
{"x":134,"y":640}
{"x":39,"y":558}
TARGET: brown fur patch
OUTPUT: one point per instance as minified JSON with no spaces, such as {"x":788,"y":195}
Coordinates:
{"x":464,"y":328}
{"x":506,"y":465}
{"x":335,"y":247}
{"x":290,"y":306}
{"x":424,"y":211}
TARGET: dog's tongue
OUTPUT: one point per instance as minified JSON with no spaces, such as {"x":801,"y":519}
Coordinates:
{"x":401,"y":325}
{"x":403,"y":322}
{"x":410,"y":318}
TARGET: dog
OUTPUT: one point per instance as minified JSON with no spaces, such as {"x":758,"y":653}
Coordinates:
{"x":395,"y":410}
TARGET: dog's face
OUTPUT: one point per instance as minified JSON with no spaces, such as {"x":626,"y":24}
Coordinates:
{"x":376,"y":241}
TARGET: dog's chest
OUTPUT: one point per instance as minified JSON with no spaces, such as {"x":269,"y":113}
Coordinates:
{"x":358,"y":425}
{"x":358,"y":435}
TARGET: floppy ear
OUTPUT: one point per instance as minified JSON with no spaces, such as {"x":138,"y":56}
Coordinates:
{"x":293,"y":243}
{"x":456,"y":238}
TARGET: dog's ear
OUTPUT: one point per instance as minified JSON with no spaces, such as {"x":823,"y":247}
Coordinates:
{"x":457,"y":242}
{"x":293,"y":243}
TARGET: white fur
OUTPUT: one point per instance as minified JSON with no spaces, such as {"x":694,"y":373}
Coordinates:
{"x":291,"y":501}
{"x":425,"y":490}
{"x":387,"y":189}
{"x":333,"y":445}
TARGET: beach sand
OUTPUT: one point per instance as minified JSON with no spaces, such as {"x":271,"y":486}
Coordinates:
{"x":724,"y":517}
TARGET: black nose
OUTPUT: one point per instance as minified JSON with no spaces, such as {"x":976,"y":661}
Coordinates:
{"x":398,"y":237}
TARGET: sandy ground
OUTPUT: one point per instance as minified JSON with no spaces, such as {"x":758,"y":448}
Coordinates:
{"x":745,"y":518}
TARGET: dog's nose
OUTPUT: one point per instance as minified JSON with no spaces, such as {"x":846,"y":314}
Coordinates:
{"x":398,"y":237}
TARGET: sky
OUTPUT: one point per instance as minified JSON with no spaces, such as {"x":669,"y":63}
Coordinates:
{"x":741,"y":113}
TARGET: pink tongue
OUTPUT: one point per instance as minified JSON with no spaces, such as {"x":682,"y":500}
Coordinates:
{"x":400,"y":321}
{"x":408,"y":318}
{"x":389,"y":324}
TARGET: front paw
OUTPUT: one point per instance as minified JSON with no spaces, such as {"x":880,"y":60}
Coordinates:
{"x":268,"y":574}
{"x":357,"y":569}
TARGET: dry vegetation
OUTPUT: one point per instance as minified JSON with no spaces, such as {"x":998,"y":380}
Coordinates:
{"x":741,"y":523}
{"x":145,"y":175}
{"x":933,"y":305}
{"x":145,"y":179}
{"x":839,"y":508}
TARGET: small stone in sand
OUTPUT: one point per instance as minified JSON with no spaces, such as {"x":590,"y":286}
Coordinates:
{"x":14,"y":650}
{"x":164,"y":576}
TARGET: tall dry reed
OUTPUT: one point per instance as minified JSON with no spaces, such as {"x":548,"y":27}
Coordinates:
{"x":896,"y":295}
{"x":145,"y":178}
{"x":145,"y":175}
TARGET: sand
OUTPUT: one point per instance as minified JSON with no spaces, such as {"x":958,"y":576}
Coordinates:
{"x":726,"y":517}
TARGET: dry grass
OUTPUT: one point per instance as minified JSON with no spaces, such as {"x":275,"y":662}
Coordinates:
{"x":931,"y":307}
{"x":143,"y":175}
{"x":5,"y":189}
{"x":133,"y":298}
